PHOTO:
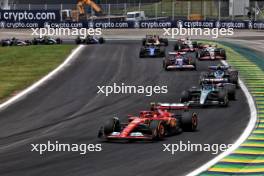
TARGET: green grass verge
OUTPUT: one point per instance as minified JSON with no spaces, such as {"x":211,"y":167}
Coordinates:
{"x":22,"y":66}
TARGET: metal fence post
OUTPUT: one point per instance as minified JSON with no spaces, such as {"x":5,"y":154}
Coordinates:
{"x":219,"y":10}
{"x":125,"y":8}
{"x":233,"y":10}
{"x":156,"y":10}
{"x":109,"y":12}
{"x":46,"y":6}
{"x":173,"y":6}
{"x":189,"y":9}
{"x":204,"y":9}
{"x":29,"y":7}
{"x":256,"y":6}
{"x":139,"y":6}
{"x":61,"y":7}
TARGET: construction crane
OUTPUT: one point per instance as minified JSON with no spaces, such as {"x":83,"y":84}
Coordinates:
{"x":80,"y":12}
{"x":82,"y":3}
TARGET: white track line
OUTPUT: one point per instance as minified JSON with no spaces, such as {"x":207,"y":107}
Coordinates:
{"x":42,"y":81}
{"x":241,"y":139}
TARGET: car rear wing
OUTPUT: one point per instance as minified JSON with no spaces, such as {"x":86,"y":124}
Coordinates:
{"x":223,"y":67}
{"x":175,"y":53}
{"x":168,"y":106}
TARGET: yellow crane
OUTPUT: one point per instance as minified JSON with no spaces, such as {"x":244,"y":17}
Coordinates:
{"x":82,"y":3}
{"x":79,"y":12}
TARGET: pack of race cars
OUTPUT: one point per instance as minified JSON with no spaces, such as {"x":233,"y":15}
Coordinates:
{"x":216,"y":86}
{"x":46,"y":40}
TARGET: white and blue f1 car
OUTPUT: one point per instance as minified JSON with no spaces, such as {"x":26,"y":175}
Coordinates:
{"x":209,"y":94}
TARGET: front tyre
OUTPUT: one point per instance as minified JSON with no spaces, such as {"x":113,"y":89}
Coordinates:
{"x":158,"y":129}
{"x":112,"y":125}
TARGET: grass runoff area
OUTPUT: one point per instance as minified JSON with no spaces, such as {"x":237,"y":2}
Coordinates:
{"x":22,"y":66}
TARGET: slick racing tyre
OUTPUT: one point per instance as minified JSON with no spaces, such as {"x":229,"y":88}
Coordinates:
{"x":162,"y":52}
{"x":165,"y":41}
{"x":143,"y":42}
{"x":198,"y":55}
{"x":34,"y":41}
{"x":195,"y":44}
{"x":101,"y":40}
{"x":233,"y":78}
{"x":158,"y":129}
{"x":78,"y":41}
{"x":112,"y":125}
{"x":231,"y":91}
{"x":223,"y":54}
{"x":203,"y":76}
{"x":58,"y":41}
{"x":177,"y":47}
{"x":193,"y":62}
{"x":185,"y":96}
{"x":166,"y":63}
{"x":189,"y":121}
{"x":142,"y":52}
{"x":223,"y":98}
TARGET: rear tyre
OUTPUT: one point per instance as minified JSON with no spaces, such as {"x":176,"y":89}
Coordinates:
{"x":101,"y":40}
{"x":193,"y":62}
{"x":143,"y":42}
{"x":177,"y":47}
{"x":165,"y":41}
{"x":198,"y":55}
{"x":189,"y":121}
{"x":231,"y":91}
{"x":166,"y":63}
{"x":233,"y":78}
{"x":34,"y":41}
{"x":195,"y":44}
{"x":142,"y":52}
{"x":78,"y":41}
{"x":223,"y":54}
{"x":58,"y":41}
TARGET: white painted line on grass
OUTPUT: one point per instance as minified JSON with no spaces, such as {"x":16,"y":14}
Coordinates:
{"x":33,"y":87}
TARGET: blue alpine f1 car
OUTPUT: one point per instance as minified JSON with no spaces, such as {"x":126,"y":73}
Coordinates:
{"x":152,"y":51}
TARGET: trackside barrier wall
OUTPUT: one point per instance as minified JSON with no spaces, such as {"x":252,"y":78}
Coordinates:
{"x":40,"y":19}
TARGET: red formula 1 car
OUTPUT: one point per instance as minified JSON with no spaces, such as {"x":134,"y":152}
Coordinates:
{"x":209,"y":52}
{"x":162,"y":120}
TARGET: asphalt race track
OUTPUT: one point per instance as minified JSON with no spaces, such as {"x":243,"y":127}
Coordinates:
{"x":68,"y":109}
